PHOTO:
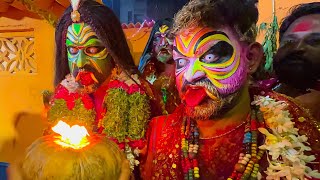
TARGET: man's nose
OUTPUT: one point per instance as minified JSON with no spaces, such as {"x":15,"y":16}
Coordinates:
{"x":81,"y":60}
{"x":194,"y":73}
{"x":300,"y":47}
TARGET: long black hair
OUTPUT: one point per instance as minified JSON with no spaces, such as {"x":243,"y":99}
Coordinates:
{"x":108,"y":29}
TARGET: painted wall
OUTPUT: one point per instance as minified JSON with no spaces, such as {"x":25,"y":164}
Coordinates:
{"x":20,"y":93}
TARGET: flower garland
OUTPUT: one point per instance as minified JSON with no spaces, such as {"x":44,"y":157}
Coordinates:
{"x":70,"y":105}
{"x":128,"y":112}
{"x":127,"y":105}
{"x":284,"y":144}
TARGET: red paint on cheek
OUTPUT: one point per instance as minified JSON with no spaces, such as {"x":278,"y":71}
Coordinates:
{"x":304,"y":26}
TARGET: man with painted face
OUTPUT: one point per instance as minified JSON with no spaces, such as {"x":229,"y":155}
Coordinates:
{"x":222,"y":130}
{"x":158,"y":51}
{"x":97,"y":81}
{"x":157,"y":66}
{"x":297,"y":63}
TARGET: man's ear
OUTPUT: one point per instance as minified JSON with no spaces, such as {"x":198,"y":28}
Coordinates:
{"x":254,"y":56}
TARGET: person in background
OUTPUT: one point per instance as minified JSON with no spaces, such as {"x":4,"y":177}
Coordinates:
{"x":223,"y":129}
{"x":157,"y":66}
{"x":297,"y":61}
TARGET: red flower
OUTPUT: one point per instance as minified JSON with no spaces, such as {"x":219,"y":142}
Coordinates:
{"x":140,"y":144}
{"x":87,"y":101}
{"x":118,"y":84}
{"x":121,"y":145}
{"x":85,"y":78}
{"x":134,"y":88}
{"x":60,"y":92}
{"x":70,"y":103}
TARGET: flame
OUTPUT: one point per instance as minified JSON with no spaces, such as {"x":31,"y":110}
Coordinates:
{"x":74,"y":137}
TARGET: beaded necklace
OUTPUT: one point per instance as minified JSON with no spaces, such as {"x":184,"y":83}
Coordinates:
{"x":248,"y":165}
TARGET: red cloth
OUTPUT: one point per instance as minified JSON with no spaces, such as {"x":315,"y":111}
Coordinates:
{"x":216,"y":157}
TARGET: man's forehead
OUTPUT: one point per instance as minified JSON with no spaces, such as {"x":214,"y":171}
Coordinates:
{"x":309,"y":23}
{"x":195,"y":30}
{"x":80,"y":29}
{"x":187,"y":35}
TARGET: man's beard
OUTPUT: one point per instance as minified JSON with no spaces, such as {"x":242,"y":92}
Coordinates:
{"x":212,"y":108}
{"x":297,"y":71}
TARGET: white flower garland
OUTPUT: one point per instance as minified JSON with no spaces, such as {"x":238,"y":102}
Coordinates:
{"x":131,"y":156}
{"x":283,"y":143}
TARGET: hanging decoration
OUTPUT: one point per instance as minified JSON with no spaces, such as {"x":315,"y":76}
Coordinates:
{"x":127,"y":114}
{"x":270,"y":42}
{"x":47,"y":15}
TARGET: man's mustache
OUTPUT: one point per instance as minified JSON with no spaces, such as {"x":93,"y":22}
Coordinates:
{"x":85,"y":68}
{"x":205,"y":83}
{"x":88,"y":68}
{"x":164,"y":49}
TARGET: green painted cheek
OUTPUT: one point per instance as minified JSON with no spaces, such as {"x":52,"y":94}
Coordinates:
{"x":197,"y":66}
{"x":71,"y":60}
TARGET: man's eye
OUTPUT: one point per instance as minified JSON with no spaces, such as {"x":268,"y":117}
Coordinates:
{"x":93,"y":50}
{"x":219,"y":53}
{"x":313,"y":41}
{"x":287,"y":42}
{"x":210,"y":58}
{"x":73,"y":50}
{"x":180,"y":63}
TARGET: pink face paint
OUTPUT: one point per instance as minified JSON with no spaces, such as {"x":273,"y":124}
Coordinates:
{"x":226,"y":76}
{"x":303,"y":26}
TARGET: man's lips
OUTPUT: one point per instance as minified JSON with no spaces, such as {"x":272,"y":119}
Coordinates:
{"x":196,"y":94}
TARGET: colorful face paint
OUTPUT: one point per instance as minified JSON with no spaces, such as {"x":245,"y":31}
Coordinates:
{"x":205,"y":53}
{"x":303,"y":26}
{"x":162,"y":44}
{"x":86,"y":51}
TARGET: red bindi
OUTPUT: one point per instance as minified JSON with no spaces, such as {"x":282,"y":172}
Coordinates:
{"x":304,"y":26}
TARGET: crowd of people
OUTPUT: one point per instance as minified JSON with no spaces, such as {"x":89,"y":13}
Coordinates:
{"x":192,"y":109}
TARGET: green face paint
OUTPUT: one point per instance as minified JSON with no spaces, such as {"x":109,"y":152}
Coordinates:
{"x":86,"y":52}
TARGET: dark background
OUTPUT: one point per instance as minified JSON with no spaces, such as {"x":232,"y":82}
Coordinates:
{"x":139,"y":10}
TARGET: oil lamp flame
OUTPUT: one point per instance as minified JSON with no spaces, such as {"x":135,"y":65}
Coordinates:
{"x":74,"y":137}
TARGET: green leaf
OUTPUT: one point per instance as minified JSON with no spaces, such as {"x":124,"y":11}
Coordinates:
{"x":263,"y":26}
